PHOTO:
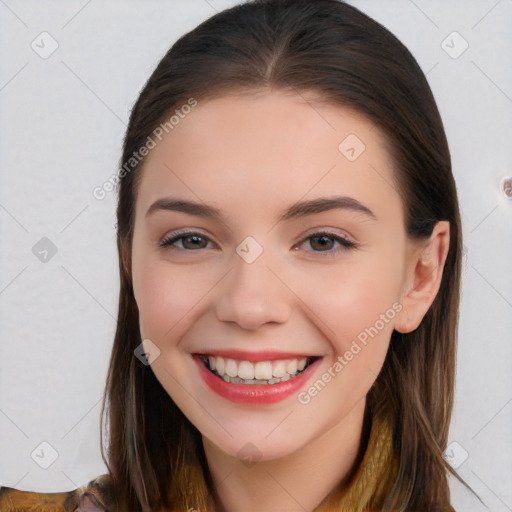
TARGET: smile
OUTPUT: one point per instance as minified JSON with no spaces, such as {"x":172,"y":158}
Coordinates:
{"x":261,"y":372}
{"x":259,"y":381}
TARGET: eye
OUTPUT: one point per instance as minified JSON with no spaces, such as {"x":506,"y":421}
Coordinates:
{"x":324,"y":241}
{"x":190,"y":240}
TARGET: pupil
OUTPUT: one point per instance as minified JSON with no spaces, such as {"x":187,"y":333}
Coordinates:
{"x":325,"y":243}
{"x":196,"y":240}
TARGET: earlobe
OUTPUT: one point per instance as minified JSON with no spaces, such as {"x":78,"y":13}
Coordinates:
{"x":402,"y":321}
{"x":426,"y":272}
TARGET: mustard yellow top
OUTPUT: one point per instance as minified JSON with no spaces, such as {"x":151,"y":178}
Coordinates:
{"x":364,"y":492}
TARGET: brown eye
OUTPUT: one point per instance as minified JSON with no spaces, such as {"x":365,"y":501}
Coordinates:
{"x":193,"y":242}
{"x":321,"y":242}
{"x":189,"y":241}
{"x":325,"y":242}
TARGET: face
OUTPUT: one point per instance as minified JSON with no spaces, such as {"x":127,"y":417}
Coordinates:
{"x":269,"y":260}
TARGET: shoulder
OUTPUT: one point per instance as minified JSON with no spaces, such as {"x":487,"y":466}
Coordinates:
{"x":95,"y":496}
{"x":14,"y":500}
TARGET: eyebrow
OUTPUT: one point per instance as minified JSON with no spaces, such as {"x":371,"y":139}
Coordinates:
{"x":296,"y":210}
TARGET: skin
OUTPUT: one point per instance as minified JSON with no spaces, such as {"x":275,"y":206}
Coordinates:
{"x":252,"y":156}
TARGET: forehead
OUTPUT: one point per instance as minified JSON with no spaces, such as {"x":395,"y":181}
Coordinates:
{"x":250,"y":150}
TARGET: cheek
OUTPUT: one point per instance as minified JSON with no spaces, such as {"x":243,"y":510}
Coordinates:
{"x":355,"y":304}
{"x":165,"y":295}
{"x":357,"y":309}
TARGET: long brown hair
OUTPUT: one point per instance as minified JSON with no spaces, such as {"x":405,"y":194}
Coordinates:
{"x":348,"y":59}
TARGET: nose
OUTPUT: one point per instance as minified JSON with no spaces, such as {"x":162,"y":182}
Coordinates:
{"x":253,"y":295}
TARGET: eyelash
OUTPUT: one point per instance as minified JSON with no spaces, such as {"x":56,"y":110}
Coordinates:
{"x":345,"y":243}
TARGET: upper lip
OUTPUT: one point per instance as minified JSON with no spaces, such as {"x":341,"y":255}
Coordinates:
{"x":245,"y":355}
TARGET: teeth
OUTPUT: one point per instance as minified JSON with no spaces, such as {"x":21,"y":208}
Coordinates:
{"x":231,"y":368}
{"x":246,"y":370}
{"x":291,"y":366}
{"x":219,"y":365}
{"x":278,"y":369}
{"x":261,"y":372}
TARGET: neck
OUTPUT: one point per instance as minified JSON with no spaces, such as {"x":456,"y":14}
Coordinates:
{"x":297,"y":482}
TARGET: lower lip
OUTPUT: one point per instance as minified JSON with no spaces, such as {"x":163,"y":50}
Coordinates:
{"x":255,"y":394}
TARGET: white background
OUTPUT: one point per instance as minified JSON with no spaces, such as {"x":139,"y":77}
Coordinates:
{"x":61,"y":127}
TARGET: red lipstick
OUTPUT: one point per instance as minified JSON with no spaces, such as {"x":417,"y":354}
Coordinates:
{"x":255,"y":394}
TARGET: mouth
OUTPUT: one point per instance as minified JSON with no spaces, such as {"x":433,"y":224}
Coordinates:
{"x":256,"y":379}
{"x":256,"y":372}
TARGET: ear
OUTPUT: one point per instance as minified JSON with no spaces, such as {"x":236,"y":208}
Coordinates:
{"x":425,"y":270}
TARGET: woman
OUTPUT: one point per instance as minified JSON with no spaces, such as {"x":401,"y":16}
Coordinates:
{"x":290,"y":242}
